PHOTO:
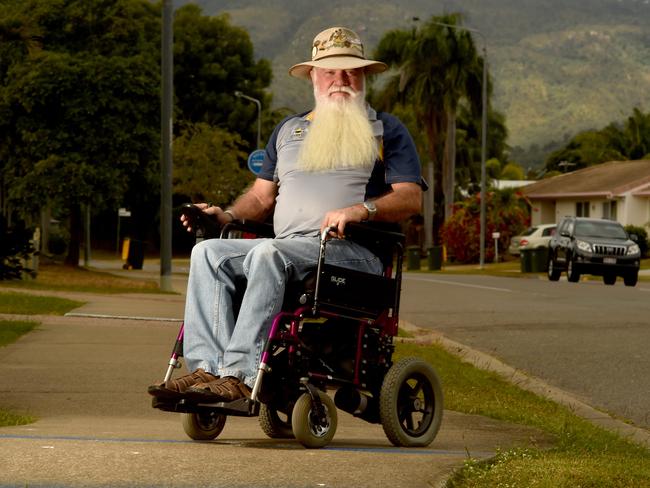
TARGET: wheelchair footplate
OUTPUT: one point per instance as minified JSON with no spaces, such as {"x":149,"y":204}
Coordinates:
{"x":243,"y":407}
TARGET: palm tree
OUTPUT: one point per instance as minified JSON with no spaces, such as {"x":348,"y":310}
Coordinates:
{"x":436,"y":69}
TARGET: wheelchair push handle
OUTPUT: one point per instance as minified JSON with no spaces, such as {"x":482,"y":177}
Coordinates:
{"x":202,"y":224}
{"x":326,"y":232}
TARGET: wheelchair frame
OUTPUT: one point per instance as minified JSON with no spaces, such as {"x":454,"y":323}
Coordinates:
{"x":296,"y":369}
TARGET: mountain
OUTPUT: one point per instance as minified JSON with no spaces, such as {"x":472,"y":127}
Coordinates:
{"x":558,"y":66}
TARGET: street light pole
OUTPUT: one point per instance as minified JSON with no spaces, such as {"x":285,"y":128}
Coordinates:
{"x":483,"y":135}
{"x":167,"y":101}
{"x":259,"y":115}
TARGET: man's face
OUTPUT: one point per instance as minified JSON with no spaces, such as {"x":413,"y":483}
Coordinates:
{"x":336,"y":84}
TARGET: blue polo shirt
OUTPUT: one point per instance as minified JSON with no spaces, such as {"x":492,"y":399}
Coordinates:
{"x":304,"y":197}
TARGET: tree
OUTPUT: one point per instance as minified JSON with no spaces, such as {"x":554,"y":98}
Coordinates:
{"x":437,"y":67}
{"x":206,"y":165}
{"x":629,"y":140}
{"x":80,"y":115}
{"x":212,"y":60}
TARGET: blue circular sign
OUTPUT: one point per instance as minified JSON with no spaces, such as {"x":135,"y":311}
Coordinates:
{"x":255,"y":160}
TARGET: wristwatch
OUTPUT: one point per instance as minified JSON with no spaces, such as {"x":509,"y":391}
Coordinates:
{"x":371,"y":208}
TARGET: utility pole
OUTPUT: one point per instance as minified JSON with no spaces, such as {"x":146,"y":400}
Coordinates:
{"x":167,"y":101}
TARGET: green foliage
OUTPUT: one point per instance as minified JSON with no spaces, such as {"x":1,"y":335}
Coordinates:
{"x":642,"y":237}
{"x":435,"y":86}
{"x":15,"y":248}
{"x":80,"y":113}
{"x":493,"y":168}
{"x":207,"y":165}
{"x":616,"y":142}
{"x":512,"y":171}
{"x":80,"y":101}
{"x":212,"y":60}
{"x":506,"y":212}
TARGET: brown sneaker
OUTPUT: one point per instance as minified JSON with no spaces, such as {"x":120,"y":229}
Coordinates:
{"x":177,"y":387}
{"x":226,"y":389}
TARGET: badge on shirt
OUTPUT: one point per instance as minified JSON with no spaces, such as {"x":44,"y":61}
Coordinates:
{"x":298,"y":133}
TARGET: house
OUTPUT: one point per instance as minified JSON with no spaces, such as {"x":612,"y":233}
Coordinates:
{"x":617,"y":190}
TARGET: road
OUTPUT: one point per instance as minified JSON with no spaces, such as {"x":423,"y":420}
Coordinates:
{"x":586,"y":338}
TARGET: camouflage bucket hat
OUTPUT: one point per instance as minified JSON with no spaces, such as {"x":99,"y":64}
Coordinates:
{"x":337,"y":48}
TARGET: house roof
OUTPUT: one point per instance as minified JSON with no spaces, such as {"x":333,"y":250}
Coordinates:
{"x":605,"y":180}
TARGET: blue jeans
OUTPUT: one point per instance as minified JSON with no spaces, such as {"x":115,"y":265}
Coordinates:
{"x":213,"y":339}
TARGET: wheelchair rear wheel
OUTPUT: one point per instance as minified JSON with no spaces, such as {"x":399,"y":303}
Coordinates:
{"x":311,"y":431}
{"x":411,"y":403}
{"x":203,"y":426}
{"x":275,"y":423}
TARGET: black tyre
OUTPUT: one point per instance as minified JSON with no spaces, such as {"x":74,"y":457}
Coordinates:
{"x":275,"y":423}
{"x":203,"y":426}
{"x":573,"y":275}
{"x":552,"y":272}
{"x":609,"y":279}
{"x":411,"y":403}
{"x":630,"y":279}
{"x":309,"y":430}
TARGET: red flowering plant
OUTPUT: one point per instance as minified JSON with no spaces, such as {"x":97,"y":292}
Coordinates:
{"x":507,"y":212}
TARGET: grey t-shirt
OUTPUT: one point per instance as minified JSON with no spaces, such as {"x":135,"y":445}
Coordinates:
{"x":304,"y":197}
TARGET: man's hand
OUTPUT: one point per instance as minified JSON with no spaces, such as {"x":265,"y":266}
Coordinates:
{"x":339,"y":218}
{"x":215,"y":213}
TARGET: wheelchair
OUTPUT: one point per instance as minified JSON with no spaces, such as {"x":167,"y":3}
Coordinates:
{"x":335,"y":332}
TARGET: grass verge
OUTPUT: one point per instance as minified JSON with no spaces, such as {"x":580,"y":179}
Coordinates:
{"x":583,"y":455}
{"x":10,"y":331}
{"x":58,"y":277}
{"x":24,"y":304}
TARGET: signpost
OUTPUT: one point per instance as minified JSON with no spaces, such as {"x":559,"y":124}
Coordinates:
{"x":255,"y":160}
{"x":495,"y":236}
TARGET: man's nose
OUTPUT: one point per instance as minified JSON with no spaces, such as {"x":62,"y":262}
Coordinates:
{"x":341,"y":78}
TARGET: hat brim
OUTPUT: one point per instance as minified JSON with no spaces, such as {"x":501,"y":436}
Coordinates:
{"x":301,"y":70}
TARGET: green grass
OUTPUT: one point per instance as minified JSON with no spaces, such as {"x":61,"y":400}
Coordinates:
{"x":10,"y":331}
{"x":57,"y":277}
{"x":582,"y":455}
{"x":24,"y":304}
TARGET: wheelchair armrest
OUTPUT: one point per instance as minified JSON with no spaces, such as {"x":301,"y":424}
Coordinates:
{"x":202,"y":224}
{"x":259,"y":229}
{"x":378,"y":237}
{"x":377,"y":231}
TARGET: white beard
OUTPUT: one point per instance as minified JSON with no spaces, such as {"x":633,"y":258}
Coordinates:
{"x":339,"y":136}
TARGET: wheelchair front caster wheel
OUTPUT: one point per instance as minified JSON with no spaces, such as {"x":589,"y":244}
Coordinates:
{"x":203,"y":426}
{"x":275,"y":423}
{"x":410,"y":406}
{"x":310,"y":429}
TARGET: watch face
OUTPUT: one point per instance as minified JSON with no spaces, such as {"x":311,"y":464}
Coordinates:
{"x":371,"y":208}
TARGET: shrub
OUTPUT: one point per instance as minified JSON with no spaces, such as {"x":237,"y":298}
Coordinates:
{"x":506,"y":212}
{"x":15,"y":248}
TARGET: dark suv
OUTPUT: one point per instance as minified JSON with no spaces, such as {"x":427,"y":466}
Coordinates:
{"x":593,"y":246}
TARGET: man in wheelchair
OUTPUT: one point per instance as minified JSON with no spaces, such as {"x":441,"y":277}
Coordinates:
{"x":339,"y":164}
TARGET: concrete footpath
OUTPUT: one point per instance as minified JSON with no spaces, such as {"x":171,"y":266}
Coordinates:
{"x":84,"y":376}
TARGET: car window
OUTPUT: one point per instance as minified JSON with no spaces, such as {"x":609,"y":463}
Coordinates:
{"x":600,"y":229}
{"x":529,"y":231}
{"x":549,"y":231}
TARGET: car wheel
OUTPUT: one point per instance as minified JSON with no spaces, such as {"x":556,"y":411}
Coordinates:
{"x":630,"y":279}
{"x":609,"y":279}
{"x":552,"y":272}
{"x":573,"y":275}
